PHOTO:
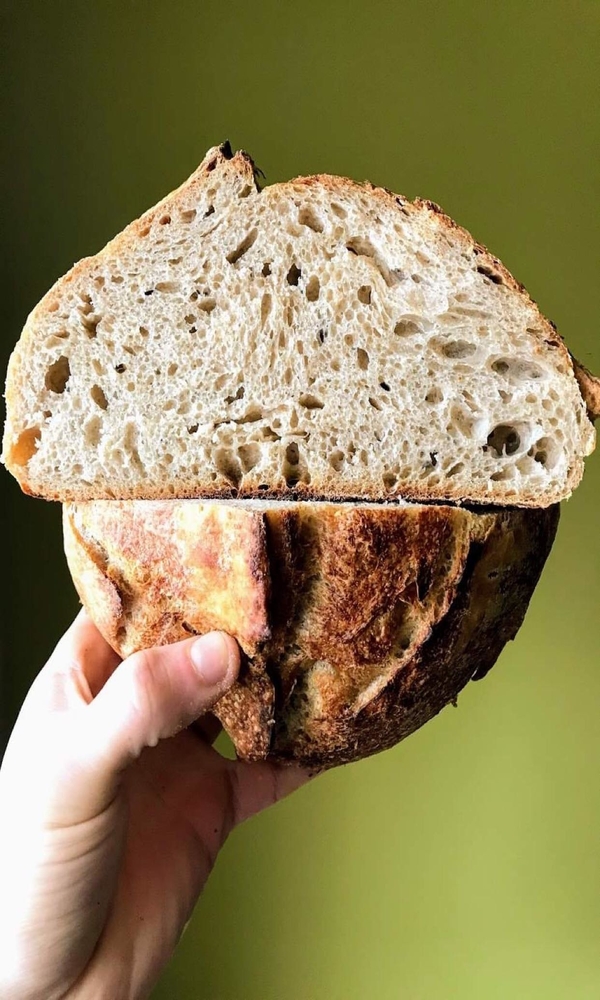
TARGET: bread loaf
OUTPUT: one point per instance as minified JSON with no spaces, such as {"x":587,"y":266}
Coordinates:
{"x":265,"y":411}
{"x":358,"y":622}
{"x":317,"y":339}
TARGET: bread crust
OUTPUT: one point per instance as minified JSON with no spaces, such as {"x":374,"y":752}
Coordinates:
{"x":590,"y":388}
{"x":358,"y":623}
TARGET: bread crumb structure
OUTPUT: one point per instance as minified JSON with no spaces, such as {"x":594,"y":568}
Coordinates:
{"x":319,"y":338}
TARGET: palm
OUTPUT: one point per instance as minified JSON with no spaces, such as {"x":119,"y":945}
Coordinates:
{"x":179,"y":801}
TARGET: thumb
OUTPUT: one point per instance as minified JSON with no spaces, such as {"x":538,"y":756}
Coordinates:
{"x":151,"y":695}
{"x":157,"y":692}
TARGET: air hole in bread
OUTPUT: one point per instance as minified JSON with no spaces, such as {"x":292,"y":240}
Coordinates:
{"x":229,"y":466}
{"x":504,"y":439}
{"x":193,"y":428}
{"x":308,"y":217}
{"x":292,"y":453}
{"x":91,"y":431}
{"x":389,"y":480}
{"x":545,"y":452}
{"x":455,"y":469}
{"x":364,"y":294}
{"x":338,"y":210}
{"x":266,"y":269}
{"x":207,"y":305}
{"x":58,"y":375}
{"x":458,"y":349}
{"x":239,"y":394}
{"x":310,"y":402}
{"x":88,"y":317}
{"x":385,"y":386}
{"x":313,"y":288}
{"x":249,"y":455}
{"x":502,"y":474}
{"x":362,"y":247}
{"x":164,"y":220}
{"x":265,"y":308}
{"x":362,"y":358}
{"x":269,"y":434}
{"x":490,"y":274}
{"x":188,"y":215}
{"x":517,"y":369}
{"x":375,"y":403}
{"x":322,"y":334}
{"x":434,"y":395}
{"x":120,"y":369}
{"x":251,"y":416}
{"x":144,"y":332}
{"x":25,"y":446}
{"x":336,"y":460}
{"x":243,"y":247}
{"x":56,"y":338}
{"x":293,"y":276}
{"x":167,"y":286}
{"x":98,"y":396}
{"x":407,"y":327}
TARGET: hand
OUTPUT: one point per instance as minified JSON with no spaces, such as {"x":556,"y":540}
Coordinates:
{"x":109,"y":827}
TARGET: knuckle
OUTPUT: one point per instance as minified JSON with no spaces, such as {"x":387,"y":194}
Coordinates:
{"x":145,"y":684}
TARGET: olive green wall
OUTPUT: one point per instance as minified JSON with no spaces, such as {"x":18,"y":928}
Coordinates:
{"x":465,"y":863}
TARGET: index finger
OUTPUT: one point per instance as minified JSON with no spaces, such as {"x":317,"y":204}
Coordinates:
{"x":77,"y":669}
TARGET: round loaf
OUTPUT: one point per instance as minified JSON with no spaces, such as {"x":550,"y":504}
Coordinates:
{"x":358,"y":622}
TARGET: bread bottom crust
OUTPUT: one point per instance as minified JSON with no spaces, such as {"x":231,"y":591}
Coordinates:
{"x":358,"y":622}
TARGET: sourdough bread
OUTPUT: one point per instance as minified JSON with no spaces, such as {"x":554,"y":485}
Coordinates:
{"x":319,"y":338}
{"x":358,"y":622}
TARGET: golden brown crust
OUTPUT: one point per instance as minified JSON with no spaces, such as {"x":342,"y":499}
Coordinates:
{"x":590,"y":388}
{"x":487,"y":609}
{"x":169,"y":568}
{"x":359,"y":622}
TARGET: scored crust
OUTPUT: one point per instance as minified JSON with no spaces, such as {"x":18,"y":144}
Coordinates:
{"x":358,"y":622}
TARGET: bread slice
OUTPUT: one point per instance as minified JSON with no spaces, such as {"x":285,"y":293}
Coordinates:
{"x":358,"y":621}
{"x":319,"y":338}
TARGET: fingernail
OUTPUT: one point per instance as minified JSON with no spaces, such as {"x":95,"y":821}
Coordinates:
{"x":210,"y":656}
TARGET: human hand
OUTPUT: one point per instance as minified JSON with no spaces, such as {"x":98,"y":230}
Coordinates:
{"x":113,"y":813}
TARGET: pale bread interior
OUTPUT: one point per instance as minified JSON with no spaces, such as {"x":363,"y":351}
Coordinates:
{"x":318,"y":337}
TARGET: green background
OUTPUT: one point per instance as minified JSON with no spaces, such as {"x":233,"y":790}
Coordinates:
{"x":465,"y":863}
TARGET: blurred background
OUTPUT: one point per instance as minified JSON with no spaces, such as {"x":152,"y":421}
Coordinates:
{"x":465,"y":863}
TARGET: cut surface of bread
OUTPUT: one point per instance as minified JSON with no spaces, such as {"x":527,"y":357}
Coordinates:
{"x":358,"y":622}
{"x":319,"y":338}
